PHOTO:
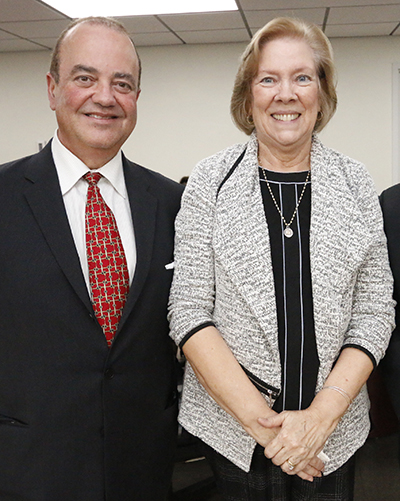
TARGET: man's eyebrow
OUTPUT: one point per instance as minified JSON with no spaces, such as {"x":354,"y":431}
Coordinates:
{"x":126,"y":76}
{"x":90,"y":69}
{"x":81,"y":67}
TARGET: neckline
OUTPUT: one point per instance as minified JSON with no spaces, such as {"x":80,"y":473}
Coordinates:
{"x":294,"y":177}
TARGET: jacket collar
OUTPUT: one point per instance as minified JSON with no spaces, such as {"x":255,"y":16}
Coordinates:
{"x":242,"y":242}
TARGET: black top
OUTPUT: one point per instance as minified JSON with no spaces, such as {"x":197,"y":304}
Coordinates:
{"x":292,"y":276}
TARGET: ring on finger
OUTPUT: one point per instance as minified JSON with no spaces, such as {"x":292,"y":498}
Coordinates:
{"x":291,"y":465}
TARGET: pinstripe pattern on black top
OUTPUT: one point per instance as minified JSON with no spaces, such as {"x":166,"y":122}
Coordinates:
{"x":292,"y":277}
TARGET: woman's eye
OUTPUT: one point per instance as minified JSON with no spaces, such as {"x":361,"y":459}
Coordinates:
{"x":304,"y":79}
{"x":267,"y":80}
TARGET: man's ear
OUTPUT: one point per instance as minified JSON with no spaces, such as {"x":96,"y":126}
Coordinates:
{"x":51,"y":90}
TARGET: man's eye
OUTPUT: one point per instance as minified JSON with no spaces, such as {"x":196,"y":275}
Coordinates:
{"x":83,"y":79}
{"x":124,"y":86}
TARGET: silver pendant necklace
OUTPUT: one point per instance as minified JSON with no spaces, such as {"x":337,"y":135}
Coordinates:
{"x":288,"y":232}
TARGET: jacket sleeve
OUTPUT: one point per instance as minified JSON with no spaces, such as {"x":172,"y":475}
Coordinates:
{"x":192,"y":293}
{"x":372,"y":319}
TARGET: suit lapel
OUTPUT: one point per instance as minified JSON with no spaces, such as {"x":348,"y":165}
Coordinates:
{"x":45,"y":200}
{"x":144,"y":208}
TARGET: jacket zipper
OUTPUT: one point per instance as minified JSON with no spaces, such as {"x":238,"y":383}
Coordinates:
{"x":268,"y":390}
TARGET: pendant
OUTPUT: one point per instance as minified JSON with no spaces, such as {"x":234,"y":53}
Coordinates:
{"x":288,"y":232}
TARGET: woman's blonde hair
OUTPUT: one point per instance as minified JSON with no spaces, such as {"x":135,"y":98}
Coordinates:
{"x":285,"y":27}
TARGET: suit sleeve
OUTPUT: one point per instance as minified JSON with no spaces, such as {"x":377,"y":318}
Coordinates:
{"x":390,"y":203}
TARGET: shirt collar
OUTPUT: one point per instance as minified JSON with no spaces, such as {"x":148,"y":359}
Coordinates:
{"x":70,"y":168}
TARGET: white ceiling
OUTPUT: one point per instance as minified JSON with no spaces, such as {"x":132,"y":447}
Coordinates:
{"x":27,"y":25}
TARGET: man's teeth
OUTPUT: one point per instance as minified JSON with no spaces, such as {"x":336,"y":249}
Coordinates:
{"x":286,"y":117}
{"x":99,"y":116}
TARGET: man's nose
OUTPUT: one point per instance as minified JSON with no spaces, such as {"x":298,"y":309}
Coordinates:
{"x":104,"y":94}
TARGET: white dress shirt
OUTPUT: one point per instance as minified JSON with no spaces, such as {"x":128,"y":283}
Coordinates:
{"x":112,"y":188}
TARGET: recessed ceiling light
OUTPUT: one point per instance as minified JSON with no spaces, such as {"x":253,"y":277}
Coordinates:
{"x":119,"y":8}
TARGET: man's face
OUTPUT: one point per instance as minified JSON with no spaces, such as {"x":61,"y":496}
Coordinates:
{"x":95,"y":97}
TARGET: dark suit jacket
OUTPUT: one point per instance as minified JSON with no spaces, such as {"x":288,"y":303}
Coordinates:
{"x":79,"y":421}
{"x":390,"y":203}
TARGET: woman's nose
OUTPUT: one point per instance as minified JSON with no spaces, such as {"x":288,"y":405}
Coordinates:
{"x":286,"y":91}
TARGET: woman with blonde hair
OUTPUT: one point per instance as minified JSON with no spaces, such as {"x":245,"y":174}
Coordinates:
{"x":282,"y":292}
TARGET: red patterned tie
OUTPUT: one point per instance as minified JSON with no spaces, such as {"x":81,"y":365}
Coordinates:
{"x":108,"y":271}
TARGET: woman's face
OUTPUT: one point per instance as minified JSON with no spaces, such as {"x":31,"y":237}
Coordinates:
{"x":285,"y":94}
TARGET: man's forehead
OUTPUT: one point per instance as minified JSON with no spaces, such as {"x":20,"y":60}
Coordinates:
{"x":88,"y":26}
{"x":83,"y":34}
{"x":75,"y":44}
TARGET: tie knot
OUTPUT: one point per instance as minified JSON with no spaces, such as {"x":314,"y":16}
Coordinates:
{"x":92,"y":178}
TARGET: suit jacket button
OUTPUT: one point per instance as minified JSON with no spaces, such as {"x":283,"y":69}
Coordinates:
{"x":109,"y":373}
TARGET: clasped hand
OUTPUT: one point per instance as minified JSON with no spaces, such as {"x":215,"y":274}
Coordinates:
{"x":301,"y":437}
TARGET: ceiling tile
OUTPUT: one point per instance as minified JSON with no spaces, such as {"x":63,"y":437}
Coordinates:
{"x":258,"y":18}
{"x":215,"y":36}
{"x":142,"y":24}
{"x":199,"y":22}
{"x":366,"y":14}
{"x":294,"y":4}
{"x":359,"y":30}
{"x":46,"y":42}
{"x":33,"y":20}
{"x":35,"y":29}
{"x":273,"y":4}
{"x":4,"y":35}
{"x":148,"y":39}
{"x":363,"y":2}
{"x":396,"y":30}
{"x":26,"y":10}
{"x":18,"y":45}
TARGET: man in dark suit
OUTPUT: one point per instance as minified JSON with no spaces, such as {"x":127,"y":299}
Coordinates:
{"x":390,"y":203}
{"x":87,"y":395}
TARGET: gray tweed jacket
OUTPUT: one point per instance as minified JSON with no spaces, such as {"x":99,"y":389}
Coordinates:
{"x":223,"y":274}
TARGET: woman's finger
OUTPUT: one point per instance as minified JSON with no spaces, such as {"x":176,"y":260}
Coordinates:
{"x":317,"y":464}
{"x":275,"y":451}
{"x":305,"y":476}
{"x":310,"y":470}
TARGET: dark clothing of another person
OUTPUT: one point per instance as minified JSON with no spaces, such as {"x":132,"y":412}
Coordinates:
{"x":390,"y":364}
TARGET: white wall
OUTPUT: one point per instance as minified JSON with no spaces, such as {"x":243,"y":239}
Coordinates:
{"x":26,"y":116}
{"x":362,"y":126}
{"x":184,"y":106}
